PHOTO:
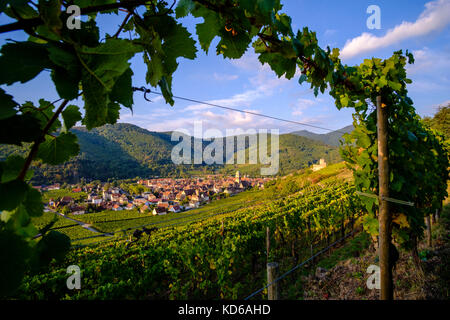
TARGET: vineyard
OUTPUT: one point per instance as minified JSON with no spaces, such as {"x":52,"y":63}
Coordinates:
{"x":400,"y":163}
{"x":219,"y":257}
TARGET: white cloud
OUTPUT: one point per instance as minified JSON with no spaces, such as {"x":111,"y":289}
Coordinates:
{"x":434,"y":18}
{"x":430,"y":71}
{"x":303,"y":104}
{"x":429,"y":61}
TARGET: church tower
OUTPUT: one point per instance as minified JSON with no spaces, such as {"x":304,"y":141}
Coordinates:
{"x":238,"y":177}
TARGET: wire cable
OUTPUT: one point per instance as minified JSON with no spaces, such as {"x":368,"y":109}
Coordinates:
{"x":145,"y":90}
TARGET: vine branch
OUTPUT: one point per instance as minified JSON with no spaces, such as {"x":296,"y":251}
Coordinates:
{"x":39,"y":140}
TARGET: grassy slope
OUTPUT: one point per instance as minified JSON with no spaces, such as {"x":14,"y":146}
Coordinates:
{"x":347,"y":267}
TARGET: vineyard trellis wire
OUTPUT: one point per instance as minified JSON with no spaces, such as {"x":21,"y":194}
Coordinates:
{"x":299,"y":265}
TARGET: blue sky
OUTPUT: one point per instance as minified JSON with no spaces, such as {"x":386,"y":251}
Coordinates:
{"x":420,"y":26}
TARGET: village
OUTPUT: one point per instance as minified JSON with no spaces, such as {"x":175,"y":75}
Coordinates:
{"x":158,"y":196}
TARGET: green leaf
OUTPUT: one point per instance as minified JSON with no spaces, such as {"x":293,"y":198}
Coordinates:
{"x":371,"y":225}
{"x":113,"y":112}
{"x":66,"y":74}
{"x":42,"y":114}
{"x":122,"y":91}
{"x":265,"y":7}
{"x":302,"y":79}
{"x":395,"y":85}
{"x":166,"y":91}
{"x":178,"y":44}
{"x":283,"y":23}
{"x":53,"y":245}
{"x":103,"y":66}
{"x":21,"y":8}
{"x":22,"y":61}
{"x":344,"y":101}
{"x":56,"y":150}
{"x":381,"y":82}
{"x":11,"y":194}
{"x":50,"y":10}
{"x":96,"y":101}
{"x":233,"y":47}
{"x":207,"y":30}
{"x":19,"y":128}
{"x":13,"y":261}
{"x":33,"y":203}
{"x":108,"y":61}
{"x":279,"y":64}
{"x":155,"y":69}
{"x":66,"y":85}
{"x":411,"y":136}
{"x":7,"y":105}
{"x":71,"y":116}
{"x":12,"y":167}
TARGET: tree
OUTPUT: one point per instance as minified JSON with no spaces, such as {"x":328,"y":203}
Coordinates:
{"x":440,"y":121}
{"x":65,"y":210}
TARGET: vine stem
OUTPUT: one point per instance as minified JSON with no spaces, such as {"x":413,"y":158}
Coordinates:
{"x":38,"y":141}
{"x":122,"y":25}
{"x":34,"y":22}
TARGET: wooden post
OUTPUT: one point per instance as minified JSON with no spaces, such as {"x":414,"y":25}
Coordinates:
{"x":384,"y":217}
{"x":272,"y":274}
{"x":267,"y":243}
{"x":429,"y":240}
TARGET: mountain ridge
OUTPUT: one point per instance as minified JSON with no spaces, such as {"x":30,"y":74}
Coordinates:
{"x":125,"y":150}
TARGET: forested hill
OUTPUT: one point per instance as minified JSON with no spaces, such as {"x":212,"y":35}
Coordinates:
{"x":127,"y":151}
{"x":331,"y":138}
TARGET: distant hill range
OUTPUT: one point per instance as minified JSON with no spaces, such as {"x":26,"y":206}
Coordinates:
{"x":122,"y":151}
{"x":331,"y":138}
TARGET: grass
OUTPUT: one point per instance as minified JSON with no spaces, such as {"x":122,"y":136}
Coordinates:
{"x":57,"y":194}
{"x":351,"y":249}
{"x":63,"y":225}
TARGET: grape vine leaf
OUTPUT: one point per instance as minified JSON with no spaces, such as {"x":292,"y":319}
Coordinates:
{"x":71,"y":115}
{"x":207,"y":30}
{"x":56,"y":150}
{"x":12,"y":167}
{"x":33,"y":203}
{"x":53,"y":245}
{"x":50,"y":11}
{"x":19,"y":128}
{"x":184,"y":7}
{"x":122,"y":91}
{"x":66,"y":74}
{"x":22,"y":61}
{"x":7,"y":105}
{"x":11,"y":194}
{"x":233,"y":47}
{"x":15,"y":252}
